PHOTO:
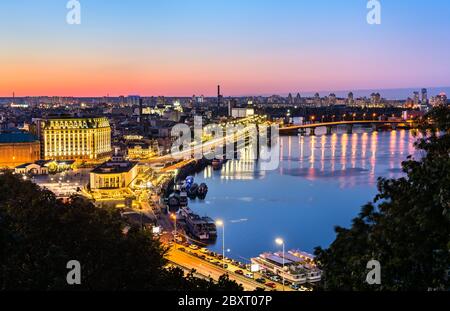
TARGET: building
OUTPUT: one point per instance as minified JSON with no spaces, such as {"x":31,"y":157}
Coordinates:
{"x":17,"y":148}
{"x":350,"y":99}
{"x":32,"y":169}
{"x":80,"y":139}
{"x":113,"y":175}
{"x":242,"y":112}
{"x":440,"y":100}
{"x":424,"y":96}
{"x":142,"y":150}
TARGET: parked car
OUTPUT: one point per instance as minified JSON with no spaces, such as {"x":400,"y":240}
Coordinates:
{"x":249,"y":275}
{"x":261,"y":280}
{"x":271,"y":285}
{"x":295,"y":286}
{"x":240,"y":272}
{"x":193,"y":246}
{"x":275,"y":278}
{"x":182,"y":249}
{"x":204,"y":250}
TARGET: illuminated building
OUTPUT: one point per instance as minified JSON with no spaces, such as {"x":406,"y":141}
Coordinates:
{"x":75,"y":138}
{"x":142,"y":151}
{"x":17,"y":148}
{"x":113,"y":175}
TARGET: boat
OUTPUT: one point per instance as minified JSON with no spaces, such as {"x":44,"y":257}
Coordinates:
{"x":202,"y":191}
{"x":192,"y":192}
{"x":201,"y":228}
{"x":293,"y":266}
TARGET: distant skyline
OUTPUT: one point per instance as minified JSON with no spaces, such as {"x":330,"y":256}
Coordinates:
{"x":390,"y":94}
{"x":253,"y":47}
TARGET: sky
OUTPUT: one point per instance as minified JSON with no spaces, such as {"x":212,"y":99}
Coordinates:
{"x":250,"y":47}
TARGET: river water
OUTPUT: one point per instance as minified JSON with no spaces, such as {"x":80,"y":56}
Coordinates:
{"x":321,"y":182}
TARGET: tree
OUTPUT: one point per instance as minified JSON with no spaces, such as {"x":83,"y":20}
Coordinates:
{"x":407,"y":226}
{"x":40,"y":235}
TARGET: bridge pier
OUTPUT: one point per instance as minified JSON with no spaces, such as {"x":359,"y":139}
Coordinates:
{"x":329,"y":130}
{"x":350,"y":129}
{"x":374,"y":127}
{"x":312,"y":131}
{"x":302,"y":131}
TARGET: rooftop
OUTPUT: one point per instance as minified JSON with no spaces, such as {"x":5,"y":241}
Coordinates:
{"x":112,"y":167}
{"x":17,"y":137}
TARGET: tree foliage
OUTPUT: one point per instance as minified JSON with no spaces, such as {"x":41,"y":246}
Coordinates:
{"x":407,"y":226}
{"x":40,"y":234}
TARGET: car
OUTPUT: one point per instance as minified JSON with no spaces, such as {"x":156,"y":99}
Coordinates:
{"x":212,"y":254}
{"x":179,"y":239}
{"x":220,"y":257}
{"x":294,"y":286}
{"x":227,"y":260}
{"x":242,"y":266}
{"x":275,"y":278}
{"x":240,"y":272}
{"x":249,"y":275}
{"x":202,"y":257}
{"x":182,"y":249}
{"x":261,"y":280}
{"x":204,"y":250}
{"x":193,"y":246}
{"x":271,"y":285}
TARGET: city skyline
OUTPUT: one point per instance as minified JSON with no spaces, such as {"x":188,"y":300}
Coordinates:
{"x":175,"y":48}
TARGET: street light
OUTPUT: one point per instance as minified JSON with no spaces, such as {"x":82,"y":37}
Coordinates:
{"x":174,"y":217}
{"x":280,"y":241}
{"x":220,"y":223}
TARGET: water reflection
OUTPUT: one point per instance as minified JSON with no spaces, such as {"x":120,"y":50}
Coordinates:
{"x":321,"y":182}
{"x":324,"y":156}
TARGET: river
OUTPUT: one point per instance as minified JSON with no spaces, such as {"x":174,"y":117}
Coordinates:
{"x":322,"y":181}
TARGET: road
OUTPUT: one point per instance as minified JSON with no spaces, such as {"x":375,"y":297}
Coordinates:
{"x":189,"y":259}
{"x":205,"y":268}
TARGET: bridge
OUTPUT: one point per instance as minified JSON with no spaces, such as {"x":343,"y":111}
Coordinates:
{"x":375,"y":124}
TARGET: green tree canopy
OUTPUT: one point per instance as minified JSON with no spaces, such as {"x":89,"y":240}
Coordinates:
{"x":407,"y":226}
{"x":40,"y":234}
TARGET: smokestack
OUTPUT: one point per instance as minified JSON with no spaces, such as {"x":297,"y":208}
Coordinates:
{"x":218,"y":96}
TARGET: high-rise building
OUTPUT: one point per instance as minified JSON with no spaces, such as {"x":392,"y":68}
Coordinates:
{"x":416,"y":99}
{"x":332,"y":99}
{"x":424,"y":96}
{"x":350,"y":99}
{"x":441,"y":100}
{"x":317,"y":100}
{"x":133,"y":100}
{"x":67,"y":138}
{"x":298,"y":99}
{"x":290,"y":99}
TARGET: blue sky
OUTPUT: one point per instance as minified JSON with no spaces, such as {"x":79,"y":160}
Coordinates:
{"x":251,"y":46}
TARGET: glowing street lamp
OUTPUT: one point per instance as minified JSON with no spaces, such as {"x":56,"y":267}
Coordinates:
{"x":220,"y":223}
{"x":174,"y":217}
{"x":280,"y":242}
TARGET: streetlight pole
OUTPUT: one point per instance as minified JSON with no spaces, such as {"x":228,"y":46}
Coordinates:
{"x":222,"y":224}
{"x":281,"y":242}
{"x":174,"y":217}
